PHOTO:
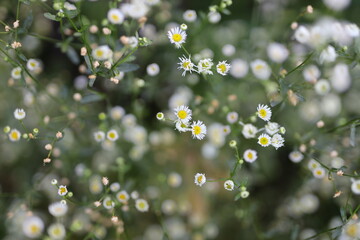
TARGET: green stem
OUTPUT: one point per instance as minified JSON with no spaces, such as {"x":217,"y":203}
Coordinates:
{"x":300,"y":65}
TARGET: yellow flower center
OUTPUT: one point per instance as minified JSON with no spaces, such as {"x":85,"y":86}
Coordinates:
{"x":197,"y":130}
{"x":222,"y":68}
{"x":62,"y":190}
{"x":186,"y":64}
{"x":33,"y":64}
{"x":141,"y":205}
{"x":34,"y":229}
{"x":57,"y":231}
{"x":14,"y":135}
{"x":259,"y":67}
{"x":351,"y":230}
{"x":314,"y":165}
{"x":264,"y":140}
{"x":108,"y":203}
{"x":115,"y":17}
{"x":177,"y":37}
{"x":99,"y":53}
{"x":200,"y":178}
{"x":112,"y":135}
{"x":262,"y":113}
{"x":250,"y":155}
{"x":182,"y":114}
{"x":358,"y":186}
{"x":319,"y":172}
{"x":122,"y":197}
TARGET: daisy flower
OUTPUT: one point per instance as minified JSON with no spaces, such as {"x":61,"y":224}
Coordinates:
{"x":108,"y":203}
{"x":183,"y":113}
{"x":190,"y":16}
{"x":232,"y":117}
{"x":186,"y":65}
{"x":177,"y":36}
{"x":122,"y":196}
{"x":204,"y":66}
{"x":229,"y":185}
{"x":141,"y":205}
{"x":296,"y":156}
{"x":260,"y":69}
{"x":114,"y":187}
{"x":115,"y":16}
{"x":350,"y":230}
{"x":33,"y":65}
{"x":58,"y":209}
{"x":182,"y":127}
{"x":313,"y":164}
{"x":62,"y":191}
{"x":264,"y":140}
{"x":56,"y":231}
{"x":14,"y":135}
{"x":112,"y":135}
{"x":249,"y":131}
{"x":102,"y":53}
{"x":355,"y":187}
{"x":16,"y":73}
{"x":319,"y":172}
{"x":272,"y":128}
{"x":250,"y":155}
{"x":160,"y":116}
{"x":277,"y":141}
{"x":264,"y":112}
{"x":33,"y":227}
{"x":200,"y":179}
{"x":19,"y":114}
{"x":153,"y":69}
{"x":223,"y":68}
{"x":198,"y":130}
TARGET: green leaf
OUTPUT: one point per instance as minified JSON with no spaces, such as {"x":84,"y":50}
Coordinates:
{"x":50,"y":16}
{"x":128,"y":67}
{"x":72,"y":55}
{"x":237,"y":196}
{"x":91,"y":81}
{"x":343,"y":214}
{"x":91,"y":98}
{"x":226,"y":11}
{"x":71,"y":13}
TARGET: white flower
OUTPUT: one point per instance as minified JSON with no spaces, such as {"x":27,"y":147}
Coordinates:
{"x":33,"y":65}
{"x":328,"y":55}
{"x":115,"y":16}
{"x":182,"y":127}
{"x":352,"y":29}
{"x":117,"y":112}
{"x":319,"y":172}
{"x":264,"y":112}
{"x":313,"y":164}
{"x":311,"y":73}
{"x":136,"y":9}
{"x":112,"y":135}
{"x":122,"y":196}
{"x":33,"y":227}
{"x":272,"y":128}
{"x":174,"y":180}
{"x":239,"y":68}
{"x":108,"y":203}
{"x":200,"y":179}
{"x":260,"y":69}
{"x":102,"y":53}
{"x":198,"y":130}
{"x":277,"y":52}
{"x":249,"y":131}
{"x":204,"y":66}
{"x":141,"y":205}
{"x":58,"y":209}
{"x":337,"y":5}
{"x":190,"y":16}
{"x":99,"y":136}
{"x":264,"y":140}
{"x":296,"y":156}
{"x":350,"y":231}
{"x":322,"y":87}
{"x":250,"y":155}
{"x":152,"y":2}
{"x":19,"y":114}
{"x":186,"y":65}
{"x":153,"y":69}
{"x":62,"y":191}
{"x":69,"y":6}
{"x":56,"y":231}
{"x":277,"y":141}
{"x":183,"y":113}
{"x":340,"y":78}
{"x":355,"y":187}
{"x":229,"y":185}
{"x":232,"y":117}
{"x":223,"y":68}
{"x":214,"y":17}
{"x":16,"y":73}
{"x":14,"y":135}
{"x":114,"y":187}
{"x":228,"y":50}
{"x":177,"y":36}
{"x":302,"y":34}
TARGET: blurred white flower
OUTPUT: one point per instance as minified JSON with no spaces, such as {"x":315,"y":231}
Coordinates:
{"x":260,"y":69}
{"x":277,"y":52}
